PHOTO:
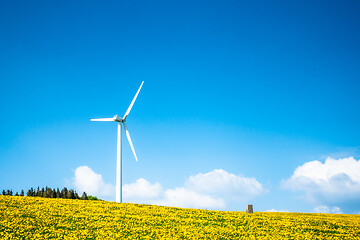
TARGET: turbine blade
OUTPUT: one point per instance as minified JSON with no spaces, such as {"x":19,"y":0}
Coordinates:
{"x":103,"y":119}
{"x":132,"y":102}
{"x":130,"y":142}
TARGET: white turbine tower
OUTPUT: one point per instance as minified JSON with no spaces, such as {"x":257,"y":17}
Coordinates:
{"x":120,"y":121}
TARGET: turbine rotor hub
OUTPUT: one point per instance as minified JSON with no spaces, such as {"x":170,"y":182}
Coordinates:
{"x":118,"y":119}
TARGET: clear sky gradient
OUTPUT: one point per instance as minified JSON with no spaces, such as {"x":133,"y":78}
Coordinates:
{"x":255,"y":88}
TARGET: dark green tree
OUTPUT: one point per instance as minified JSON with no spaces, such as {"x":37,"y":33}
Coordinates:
{"x":64,"y":192}
{"x":48,"y":192}
{"x":92,"y":198}
{"x":84,"y":196}
{"x":71,"y":194}
{"x":58,"y":194}
{"x":53,"y":193}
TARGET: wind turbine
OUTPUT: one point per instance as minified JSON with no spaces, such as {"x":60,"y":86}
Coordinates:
{"x":120,"y":121}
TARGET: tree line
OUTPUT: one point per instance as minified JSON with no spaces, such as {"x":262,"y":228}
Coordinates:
{"x":51,"y":193}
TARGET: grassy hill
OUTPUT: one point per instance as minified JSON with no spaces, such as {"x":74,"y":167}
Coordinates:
{"x":42,"y":218}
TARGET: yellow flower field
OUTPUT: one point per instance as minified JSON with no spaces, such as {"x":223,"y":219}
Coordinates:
{"x":44,"y":218}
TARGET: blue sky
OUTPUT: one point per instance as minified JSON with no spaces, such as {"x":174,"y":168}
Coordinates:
{"x":243,"y":92}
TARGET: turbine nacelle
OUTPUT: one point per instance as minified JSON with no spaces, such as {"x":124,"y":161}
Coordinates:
{"x":118,"y":119}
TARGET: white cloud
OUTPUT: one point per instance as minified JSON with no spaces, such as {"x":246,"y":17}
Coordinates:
{"x":220,"y":182}
{"x":276,"y":210}
{"x":334,"y":181}
{"x":142,"y":189}
{"x":182,"y":197}
{"x":86,"y":180}
{"x":326,"y":209}
{"x":212,"y":190}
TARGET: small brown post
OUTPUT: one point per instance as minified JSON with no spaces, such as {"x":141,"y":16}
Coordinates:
{"x":249,"y":208}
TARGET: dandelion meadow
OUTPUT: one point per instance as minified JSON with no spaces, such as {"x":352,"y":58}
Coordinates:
{"x":42,"y":218}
